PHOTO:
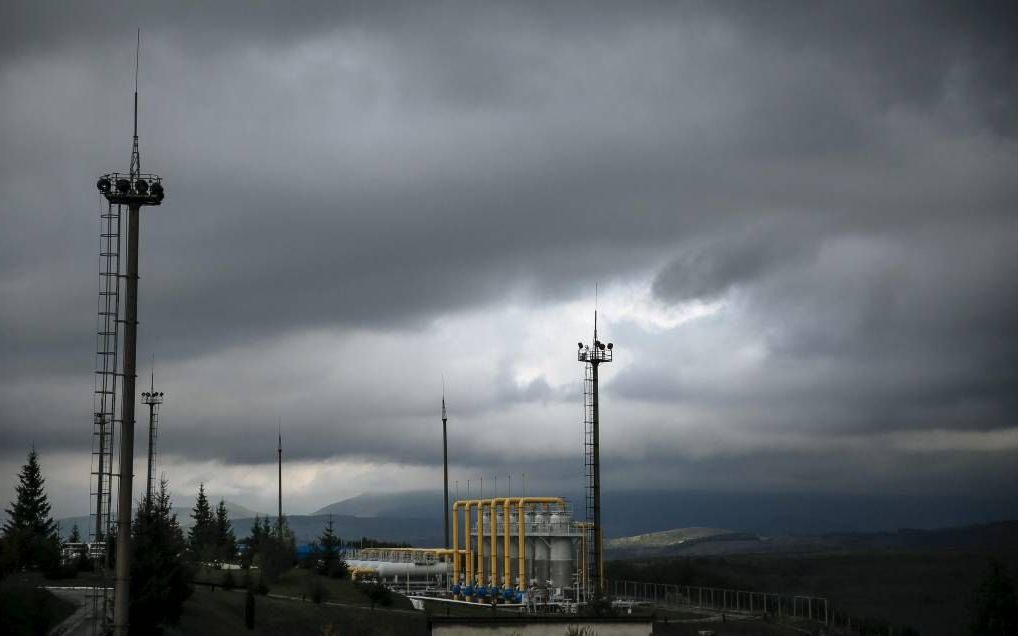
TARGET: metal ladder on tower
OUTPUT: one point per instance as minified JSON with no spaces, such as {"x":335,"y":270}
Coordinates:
{"x":104,"y":404}
{"x":588,"y":461}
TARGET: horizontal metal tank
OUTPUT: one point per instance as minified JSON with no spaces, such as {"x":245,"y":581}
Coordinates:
{"x":401,"y":568}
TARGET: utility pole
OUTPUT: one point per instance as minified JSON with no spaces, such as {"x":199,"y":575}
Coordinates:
{"x":445,"y":466}
{"x":279,"y":453}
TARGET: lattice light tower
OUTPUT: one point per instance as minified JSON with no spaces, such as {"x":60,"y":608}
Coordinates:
{"x":153,"y":398}
{"x":134,"y":190}
{"x":593,"y":356}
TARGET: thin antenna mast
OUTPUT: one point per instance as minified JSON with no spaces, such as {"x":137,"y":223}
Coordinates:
{"x":135,"y":154}
{"x":279,"y":451}
{"x":445,"y":464}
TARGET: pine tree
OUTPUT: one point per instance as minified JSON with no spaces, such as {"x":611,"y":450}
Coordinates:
{"x":226,"y":541}
{"x":329,"y":543}
{"x":160,"y":577}
{"x":75,"y":535}
{"x":252,"y":543}
{"x":202,"y":536}
{"x":995,"y":607}
{"x":30,"y":534}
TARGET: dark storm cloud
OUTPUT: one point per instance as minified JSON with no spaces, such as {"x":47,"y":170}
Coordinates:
{"x":839,"y":176}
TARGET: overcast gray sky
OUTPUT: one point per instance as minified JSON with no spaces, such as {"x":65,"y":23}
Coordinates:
{"x":801,"y":218}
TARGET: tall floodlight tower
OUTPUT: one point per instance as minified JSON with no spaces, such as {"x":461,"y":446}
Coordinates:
{"x":153,"y":398}
{"x":445,"y":467}
{"x":593,"y":356}
{"x":133,"y":190}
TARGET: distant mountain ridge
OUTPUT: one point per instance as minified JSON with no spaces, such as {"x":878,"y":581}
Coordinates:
{"x":630,"y":513}
{"x":417,"y":516}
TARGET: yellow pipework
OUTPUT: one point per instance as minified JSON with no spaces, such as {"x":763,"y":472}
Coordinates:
{"x":506,"y":560}
{"x":456,"y":543}
{"x":507,"y":529}
{"x":473,"y":566}
{"x":466,"y":553}
{"x":480,"y":541}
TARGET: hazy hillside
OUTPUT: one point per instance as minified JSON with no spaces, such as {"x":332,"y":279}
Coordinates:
{"x":421,"y":504}
{"x":234,"y":510}
{"x":306,"y":528}
{"x":629,"y":513}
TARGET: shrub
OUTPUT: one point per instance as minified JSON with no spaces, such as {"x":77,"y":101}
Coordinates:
{"x":377,"y":593}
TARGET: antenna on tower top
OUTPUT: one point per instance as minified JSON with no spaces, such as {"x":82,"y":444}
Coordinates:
{"x":135,"y":155}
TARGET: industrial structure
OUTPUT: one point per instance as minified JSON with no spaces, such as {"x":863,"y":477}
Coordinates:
{"x":117,"y":369}
{"x":511,"y":550}
{"x":593,"y":356}
{"x":154,"y":399}
{"x":504,"y":549}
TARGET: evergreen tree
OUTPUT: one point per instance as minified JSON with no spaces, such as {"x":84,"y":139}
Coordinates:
{"x":75,"y":535}
{"x":226,"y":541}
{"x":160,"y":576}
{"x":202,"y":536}
{"x":30,"y":534}
{"x":277,"y":549}
{"x":329,"y":543}
{"x":252,"y":543}
{"x":995,"y":610}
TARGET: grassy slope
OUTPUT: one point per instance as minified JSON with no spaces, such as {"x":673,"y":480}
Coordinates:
{"x":927,"y":591}
{"x":297,"y":582}
{"x":25,"y":609}
{"x":222,"y":612}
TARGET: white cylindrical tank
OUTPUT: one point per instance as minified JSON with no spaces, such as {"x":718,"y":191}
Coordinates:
{"x":541,"y":570}
{"x":563,"y":565}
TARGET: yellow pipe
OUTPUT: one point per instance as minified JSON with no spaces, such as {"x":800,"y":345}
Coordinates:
{"x":466,"y":552}
{"x":506,"y":559}
{"x":456,"y":541}
{"x":469,"y":569}
{"x":480,"y":542}
{"x":493,"y":508}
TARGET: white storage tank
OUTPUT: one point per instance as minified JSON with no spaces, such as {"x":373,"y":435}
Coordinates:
{"x":542,"y":559}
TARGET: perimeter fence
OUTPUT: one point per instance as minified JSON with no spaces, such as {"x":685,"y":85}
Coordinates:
{"x":811,"y":608}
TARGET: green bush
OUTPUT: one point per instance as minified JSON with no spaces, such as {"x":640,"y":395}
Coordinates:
{"x":377,"y":593}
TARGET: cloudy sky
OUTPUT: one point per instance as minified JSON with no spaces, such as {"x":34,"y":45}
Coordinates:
{"x":801,"y":220}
